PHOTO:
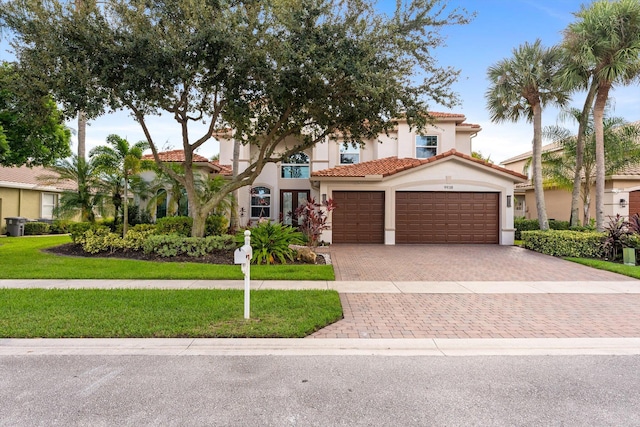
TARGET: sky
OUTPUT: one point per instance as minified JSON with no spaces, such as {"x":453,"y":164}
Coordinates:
{"x":498,"y":28}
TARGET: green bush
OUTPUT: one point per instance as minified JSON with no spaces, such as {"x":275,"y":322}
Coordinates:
{"x":522,"y":224}
{"x":170,"y":245}
{"x":554,"y":224}
{"x":77,"y":230}
{"x":60,"y":226}
{"x":564,"y":243}
{"x":135,"y":238}
{"x":100,"y":239}
{"x":36,"y":228}
{"x":216,"y":225}
{"x":270,"y":242}
{"x":174,"y":225}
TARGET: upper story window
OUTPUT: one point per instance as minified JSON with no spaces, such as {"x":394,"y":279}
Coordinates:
{"x":349,"y":155}
{"x":260,"y":202}
{"x":295,"y":166}
{"x":426,"y":146}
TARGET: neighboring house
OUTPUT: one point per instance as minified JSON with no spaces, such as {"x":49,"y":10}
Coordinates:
{"x":404,"y":188}
{"x":23,"y":195}
{"x":622,"y":192}
{"x":164,"y":194}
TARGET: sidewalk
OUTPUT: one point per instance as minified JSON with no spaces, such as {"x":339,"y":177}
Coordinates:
{"x":396,"y":318}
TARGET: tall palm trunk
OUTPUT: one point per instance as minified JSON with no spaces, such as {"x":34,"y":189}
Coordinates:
{"x":577,"y":177}
{"x":82,"y":134}
{"x":125,"y":207}
{"x":537,"y":166}
{"x":234,"y":221}
{"x":598,"y":126}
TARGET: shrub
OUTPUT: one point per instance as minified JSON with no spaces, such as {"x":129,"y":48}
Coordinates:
{"x":101,"y":239}
{"x":170,"y":245}
{"x":522,"y":224}
{"x":554,"y":224}
{"x":110,"y":223}
{"x":270,"y":242}
{"x":77,"y":230}
{"x":60,"y":226}
{"x":616,"y":232}
{"x":174,"y":225}
{"x":216,"y":225}
{"x":312,"y":217}
{"x":135,"y":238}
{"x":564,"y":243}
{"x":35,"y":228}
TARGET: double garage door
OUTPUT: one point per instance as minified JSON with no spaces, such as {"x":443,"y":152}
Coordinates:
{"x":421,"y":217}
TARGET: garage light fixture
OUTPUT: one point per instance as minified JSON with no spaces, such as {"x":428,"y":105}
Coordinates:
{"x":623,"y":203}
{"x":508,"y":201}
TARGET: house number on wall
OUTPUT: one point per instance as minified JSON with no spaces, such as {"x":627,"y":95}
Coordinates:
{"x":448,"y":187}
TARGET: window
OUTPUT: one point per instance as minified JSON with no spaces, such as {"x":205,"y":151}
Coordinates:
{"x":426,"y":146}
{"x":161,"y":203}
{"x":349,"y":154}
{"x":260,"y":202}
{"x":296,"y":166}
{"x":183,"y":203}
{"x":49,"y":202}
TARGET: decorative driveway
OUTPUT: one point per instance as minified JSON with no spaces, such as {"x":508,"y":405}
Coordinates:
{"x":442,"y":263}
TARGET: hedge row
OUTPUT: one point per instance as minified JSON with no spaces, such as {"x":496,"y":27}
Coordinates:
{"x":564,"y":243}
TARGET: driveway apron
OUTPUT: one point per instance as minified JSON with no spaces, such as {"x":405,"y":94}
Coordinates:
{"x":443,"y":263}
{"x":476,"y":315}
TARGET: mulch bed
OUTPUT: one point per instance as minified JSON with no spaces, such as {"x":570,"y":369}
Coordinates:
{"x":217,"y":257}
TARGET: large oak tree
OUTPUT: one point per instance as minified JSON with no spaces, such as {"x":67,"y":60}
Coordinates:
{"x":269,"y":69}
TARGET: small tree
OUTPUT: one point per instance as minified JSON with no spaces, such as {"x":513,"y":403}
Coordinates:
{"x":312,"y":219}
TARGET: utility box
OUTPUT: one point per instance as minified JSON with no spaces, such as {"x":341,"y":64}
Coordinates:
{"x":15,"y":226}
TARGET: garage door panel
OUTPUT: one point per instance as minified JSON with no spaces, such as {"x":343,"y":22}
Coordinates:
{"x":358,"y":217}
{"x":446,"y":217}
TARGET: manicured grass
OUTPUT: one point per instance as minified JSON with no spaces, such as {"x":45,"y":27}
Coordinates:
{"x":152,"y":313}
{"x":627,"y":270}
{"x":22,"y":258}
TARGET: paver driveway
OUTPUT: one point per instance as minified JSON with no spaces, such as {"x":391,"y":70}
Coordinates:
{"x":455,"y":263}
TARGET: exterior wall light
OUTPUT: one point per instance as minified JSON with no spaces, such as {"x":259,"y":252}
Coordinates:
{"x":623,"y":203}
{"x":508,"y":201}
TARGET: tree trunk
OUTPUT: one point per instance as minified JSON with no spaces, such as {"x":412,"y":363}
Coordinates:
{"x":125,"y":208}
{"x":233,"y":221}
{"x":537,"y":167}
{"x":82,"y":134}
{"x":199,"y":222}
{"x":598,"y":125}
{"x":577,"y":177}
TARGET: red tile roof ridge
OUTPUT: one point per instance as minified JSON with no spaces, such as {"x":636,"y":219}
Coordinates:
{"x":176,"y":156}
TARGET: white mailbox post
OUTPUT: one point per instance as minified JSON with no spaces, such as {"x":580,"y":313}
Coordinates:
{"x":243,"y":256}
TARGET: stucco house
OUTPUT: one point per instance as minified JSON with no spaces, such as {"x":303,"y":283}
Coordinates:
{"x":622,"y":192}
{"x":403,"y":188}
{"x":22,"y":194}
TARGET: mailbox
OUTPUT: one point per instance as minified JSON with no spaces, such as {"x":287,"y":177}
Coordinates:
{"x":240,"y":256}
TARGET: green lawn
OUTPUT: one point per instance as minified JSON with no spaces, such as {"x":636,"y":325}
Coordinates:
{"x":627,"y":270}
{"x":152,"y":313}
{"x":22,"y":258}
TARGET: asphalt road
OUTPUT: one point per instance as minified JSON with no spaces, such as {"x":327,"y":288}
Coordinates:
{"x":319,"y":390}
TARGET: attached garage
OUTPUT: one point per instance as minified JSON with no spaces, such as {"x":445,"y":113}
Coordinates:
{"x":447,"y":217}
{"x":359,"y":217}
{"x":634,"y":202}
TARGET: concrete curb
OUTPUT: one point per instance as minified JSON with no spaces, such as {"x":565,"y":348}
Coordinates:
{"x":316,"y":347}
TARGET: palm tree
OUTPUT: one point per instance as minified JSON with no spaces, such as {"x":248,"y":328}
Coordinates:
{"x":121,"y":160}
{"x":87,"y":198}
{"x":606,"y":40}
{"x":519,"y":88}
{"x":622,"y":149}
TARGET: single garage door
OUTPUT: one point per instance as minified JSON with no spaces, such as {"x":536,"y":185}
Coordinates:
{"x":446,"y":217}
{"x":358,"y":217}
{"x":634,"y":203}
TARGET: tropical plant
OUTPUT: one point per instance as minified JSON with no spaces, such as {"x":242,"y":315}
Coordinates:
{"x":119,"y":161}
{"x":622,"y":148}
{"x":312,"y":219}
{"x":87,"y":198}
{"x":270,"y":242}
{"x":617,"y":231}
{"x":605,"y":40}
{"x":519,"y":88}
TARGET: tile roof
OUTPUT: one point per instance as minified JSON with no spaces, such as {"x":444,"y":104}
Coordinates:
{"x":225,"y":170}
{"x":25,"y":177}
{"x":176,"y":156}
{"x":393,"y":165}
{"x":554,"y":146}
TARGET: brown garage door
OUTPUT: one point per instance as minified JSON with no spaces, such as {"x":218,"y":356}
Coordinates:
{"x":634,"y":203}
{"x":446,"y":217}
{"x":359,"y":217}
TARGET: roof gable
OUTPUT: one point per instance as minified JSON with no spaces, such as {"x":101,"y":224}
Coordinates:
{"x":31,"y":178}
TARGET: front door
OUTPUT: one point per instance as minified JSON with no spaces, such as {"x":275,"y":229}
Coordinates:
{"x":289,"y":202}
